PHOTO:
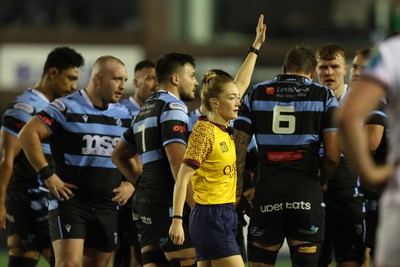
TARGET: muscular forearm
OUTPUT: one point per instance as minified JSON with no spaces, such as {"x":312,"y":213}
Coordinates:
{"x":31,"y":143}
{"x":5,"y":176}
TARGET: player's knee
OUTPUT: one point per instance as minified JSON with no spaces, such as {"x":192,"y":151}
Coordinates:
{"x":19,"y":257}
{"x":155,"y":256}
{"x":180,"y":262}
{"x":257,"y":254}
{"x":305,"y":255}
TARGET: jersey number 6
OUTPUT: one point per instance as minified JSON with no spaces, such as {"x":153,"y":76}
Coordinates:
{"x":283,"y":123}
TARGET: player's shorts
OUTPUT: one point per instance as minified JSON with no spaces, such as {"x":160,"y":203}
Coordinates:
{"x":27,"y":217}
{"x":371,"y":222}
{"x":213,"y":229}
{"x":127,"y":227}
{"x":387,"y":238}
{"x":345,"y":227}
{"x":74,"y":218}
{"x":153,"y":221}
{"x":271,"y":222}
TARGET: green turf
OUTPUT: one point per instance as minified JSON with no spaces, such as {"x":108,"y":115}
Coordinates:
{"x":281,"y":262}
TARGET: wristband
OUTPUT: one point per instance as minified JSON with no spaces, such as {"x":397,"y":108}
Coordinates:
{"x":45,"y":172}
{"x":177,"y":217}
{"x":254,"y":50}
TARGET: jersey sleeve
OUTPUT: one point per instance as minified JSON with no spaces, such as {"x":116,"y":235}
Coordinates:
{"x":378,"y":116}
{"x":53,"y":115}
{"x":331,"y":107}
{"x":174,"y":122}
{"x":16,"y":117}
{"x":200,"y":144}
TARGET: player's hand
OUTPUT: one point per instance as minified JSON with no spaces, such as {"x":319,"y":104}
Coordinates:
{"x":176,"y":232}
{"x":60,"y":189}
{"x":123,"y":192}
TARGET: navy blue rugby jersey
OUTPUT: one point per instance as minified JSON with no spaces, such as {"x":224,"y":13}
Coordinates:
{"x":288,"y":116}
{"x":82,"y":142}
{"x":162,"y":120}
{"x":16,"y":115}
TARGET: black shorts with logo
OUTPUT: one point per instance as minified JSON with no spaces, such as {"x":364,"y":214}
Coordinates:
{"x":345,"y":225}
{"x":153,"y":221}
{"x":94,"y":222}
{"x":27,"y":217}
{"x":271,"y":222}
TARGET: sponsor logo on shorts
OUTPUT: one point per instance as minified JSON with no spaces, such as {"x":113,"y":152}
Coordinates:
{"x":10,"y":218}
{"x":297,"y":205}
{"x":68,"y":227}
{"x":313,"y":230}
{"x":359,"y":229}
{"x":115,"y":238}
{"x":254,"y":231}
{"x":144,"y":219}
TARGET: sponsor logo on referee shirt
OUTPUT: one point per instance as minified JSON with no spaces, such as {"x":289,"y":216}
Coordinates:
{"x":224,"y":147}
{"x":230,"y":170}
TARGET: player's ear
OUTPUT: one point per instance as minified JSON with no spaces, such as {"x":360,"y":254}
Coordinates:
{"x":174,"y":79}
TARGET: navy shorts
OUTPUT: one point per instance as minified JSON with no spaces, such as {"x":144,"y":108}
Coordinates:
{"x":153,"y":221}
{"x":97,"y":224}
{"x":27,"y":217}
{"x":213,"y":229}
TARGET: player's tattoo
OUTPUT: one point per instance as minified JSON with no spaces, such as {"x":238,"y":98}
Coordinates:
{"x":242,"y":140}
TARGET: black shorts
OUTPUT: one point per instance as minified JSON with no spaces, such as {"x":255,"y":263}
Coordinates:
{"x":221,"y":224}
{"x":345,"y":225}
{"x":371,"y":222}
{"x":97,"y":224}
{"x":153,"y":221}
{"x":127,"y":228}
{"x":271,"y":222}
{"x":27,"y":217}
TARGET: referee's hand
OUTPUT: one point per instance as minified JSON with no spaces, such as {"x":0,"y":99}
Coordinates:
{"x":176,"y":232}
